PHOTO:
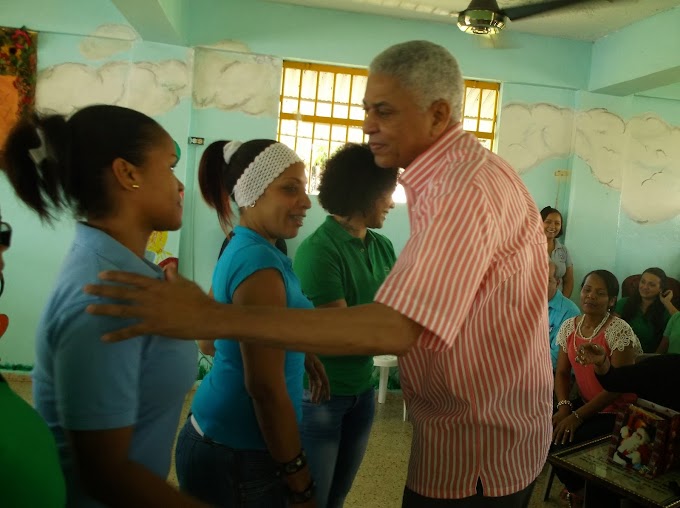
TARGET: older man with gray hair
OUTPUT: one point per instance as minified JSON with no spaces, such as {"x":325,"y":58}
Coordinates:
{"x":464,"y":305}
{"x":560,"y":308}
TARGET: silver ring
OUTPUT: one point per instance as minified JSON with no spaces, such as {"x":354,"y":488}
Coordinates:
{"x":567,"y":430}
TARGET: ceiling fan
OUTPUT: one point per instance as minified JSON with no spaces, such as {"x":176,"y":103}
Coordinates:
{"x":484,"y":17}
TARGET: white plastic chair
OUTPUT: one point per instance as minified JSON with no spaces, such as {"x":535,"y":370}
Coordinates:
{"x":384,"y":362}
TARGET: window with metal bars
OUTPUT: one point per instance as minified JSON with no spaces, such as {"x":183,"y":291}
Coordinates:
{"x":480,"y":104}
{"x":321,"y":109}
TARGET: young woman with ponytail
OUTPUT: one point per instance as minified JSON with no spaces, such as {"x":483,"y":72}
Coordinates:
{"x":240,"y":447}
{"x":113,"y":408}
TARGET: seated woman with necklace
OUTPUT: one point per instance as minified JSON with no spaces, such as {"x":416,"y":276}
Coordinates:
{"x":594,"y":415}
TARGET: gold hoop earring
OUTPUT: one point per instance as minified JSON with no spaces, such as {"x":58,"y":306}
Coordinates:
{"x":135,"y":186}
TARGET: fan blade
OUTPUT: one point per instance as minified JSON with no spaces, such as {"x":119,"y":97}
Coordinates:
{"x":525,"y":11}
{"x":484,"y":41}
{"x":493,"y":41}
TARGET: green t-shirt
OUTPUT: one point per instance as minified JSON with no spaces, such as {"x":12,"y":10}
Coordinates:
{"x":333,"y":265}
{"x":31,"y":475}
{"x":673,"y":333}
{"x":642,"y":327}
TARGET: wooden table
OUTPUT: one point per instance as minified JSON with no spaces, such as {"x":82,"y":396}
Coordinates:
{"x":590,"y":461}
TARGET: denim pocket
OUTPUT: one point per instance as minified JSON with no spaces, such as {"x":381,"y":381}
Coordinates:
{"x":264,"y":492}
{"x":260,"y":484}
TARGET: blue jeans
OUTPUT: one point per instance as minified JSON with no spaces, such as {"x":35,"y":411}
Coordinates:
{"x":335,"y":435}
{"x":222,"y":476}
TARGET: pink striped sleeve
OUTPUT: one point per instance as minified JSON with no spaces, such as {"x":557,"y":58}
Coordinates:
{"x":440,"y":271}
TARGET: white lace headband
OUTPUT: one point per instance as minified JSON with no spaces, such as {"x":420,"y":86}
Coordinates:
{"x":269,"y":164}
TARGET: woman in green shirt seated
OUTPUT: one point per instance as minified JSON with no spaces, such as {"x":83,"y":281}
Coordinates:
{"x":648,"y":310}
{"x":30,"y":472}
{"x":670,"y":343}
{"x":341,"y":264}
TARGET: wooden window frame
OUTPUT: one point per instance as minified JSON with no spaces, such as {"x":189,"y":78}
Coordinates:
{"x":483,"y":85}
{"x":353,"y":123}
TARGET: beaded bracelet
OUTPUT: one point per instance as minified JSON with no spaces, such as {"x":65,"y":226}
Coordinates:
{"x":304,"y":496}
{"x":295,"y":465}
{"x":565,"y":402}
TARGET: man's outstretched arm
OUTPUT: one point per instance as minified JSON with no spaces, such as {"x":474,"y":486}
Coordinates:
{"x":177,"y":307}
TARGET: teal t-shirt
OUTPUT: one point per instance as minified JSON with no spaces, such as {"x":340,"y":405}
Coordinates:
{"x":31,"y":474}
{"x":222,"y":406}
{"x":334,"y":265}
{"x":673,"y":333}
{"x":642,"y":327}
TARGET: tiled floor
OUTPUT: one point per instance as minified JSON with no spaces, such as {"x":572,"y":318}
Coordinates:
{"x":380,"y":481}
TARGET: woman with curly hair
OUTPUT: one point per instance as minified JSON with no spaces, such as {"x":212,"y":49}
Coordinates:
{"x":342,"y":264}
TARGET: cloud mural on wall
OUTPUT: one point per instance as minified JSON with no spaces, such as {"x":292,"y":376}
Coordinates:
{"x":108,"y":40}
{"x":150,"y":87}
{"x":600,"y":140}
{"x":531,"y":134}
{"x":640,"y":157}
{"x":227,"y":77}
{"x":651,"y":178}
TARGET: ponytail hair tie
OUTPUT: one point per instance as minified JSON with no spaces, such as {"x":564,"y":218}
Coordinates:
{"x":39,"y":153}
{"x":230,"y":149}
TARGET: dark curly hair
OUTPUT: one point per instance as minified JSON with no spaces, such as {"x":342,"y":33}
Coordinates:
{"x":352,"y":182}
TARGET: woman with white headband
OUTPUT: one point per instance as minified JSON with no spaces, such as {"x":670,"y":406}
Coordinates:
{"x":241,"y":445}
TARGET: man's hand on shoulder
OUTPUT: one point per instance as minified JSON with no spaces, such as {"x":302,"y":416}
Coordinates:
{"x":174,"y":307}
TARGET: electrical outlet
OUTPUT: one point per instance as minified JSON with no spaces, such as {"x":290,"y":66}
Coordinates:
{"x":562,"y":173}
{"x":196,"y":141}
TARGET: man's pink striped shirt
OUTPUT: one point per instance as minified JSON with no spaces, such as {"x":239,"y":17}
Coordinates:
{"x":478,"y":382}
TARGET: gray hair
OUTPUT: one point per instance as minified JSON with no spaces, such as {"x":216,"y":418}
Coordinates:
{"x":426,"y":69}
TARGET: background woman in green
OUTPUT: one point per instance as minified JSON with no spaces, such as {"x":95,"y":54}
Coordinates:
{"x":648,"y":309}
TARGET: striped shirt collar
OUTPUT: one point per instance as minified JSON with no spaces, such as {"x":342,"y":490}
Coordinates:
{"x":419,"y":172}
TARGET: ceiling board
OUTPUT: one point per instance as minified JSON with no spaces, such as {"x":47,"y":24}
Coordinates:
{"x":588,"y":21}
